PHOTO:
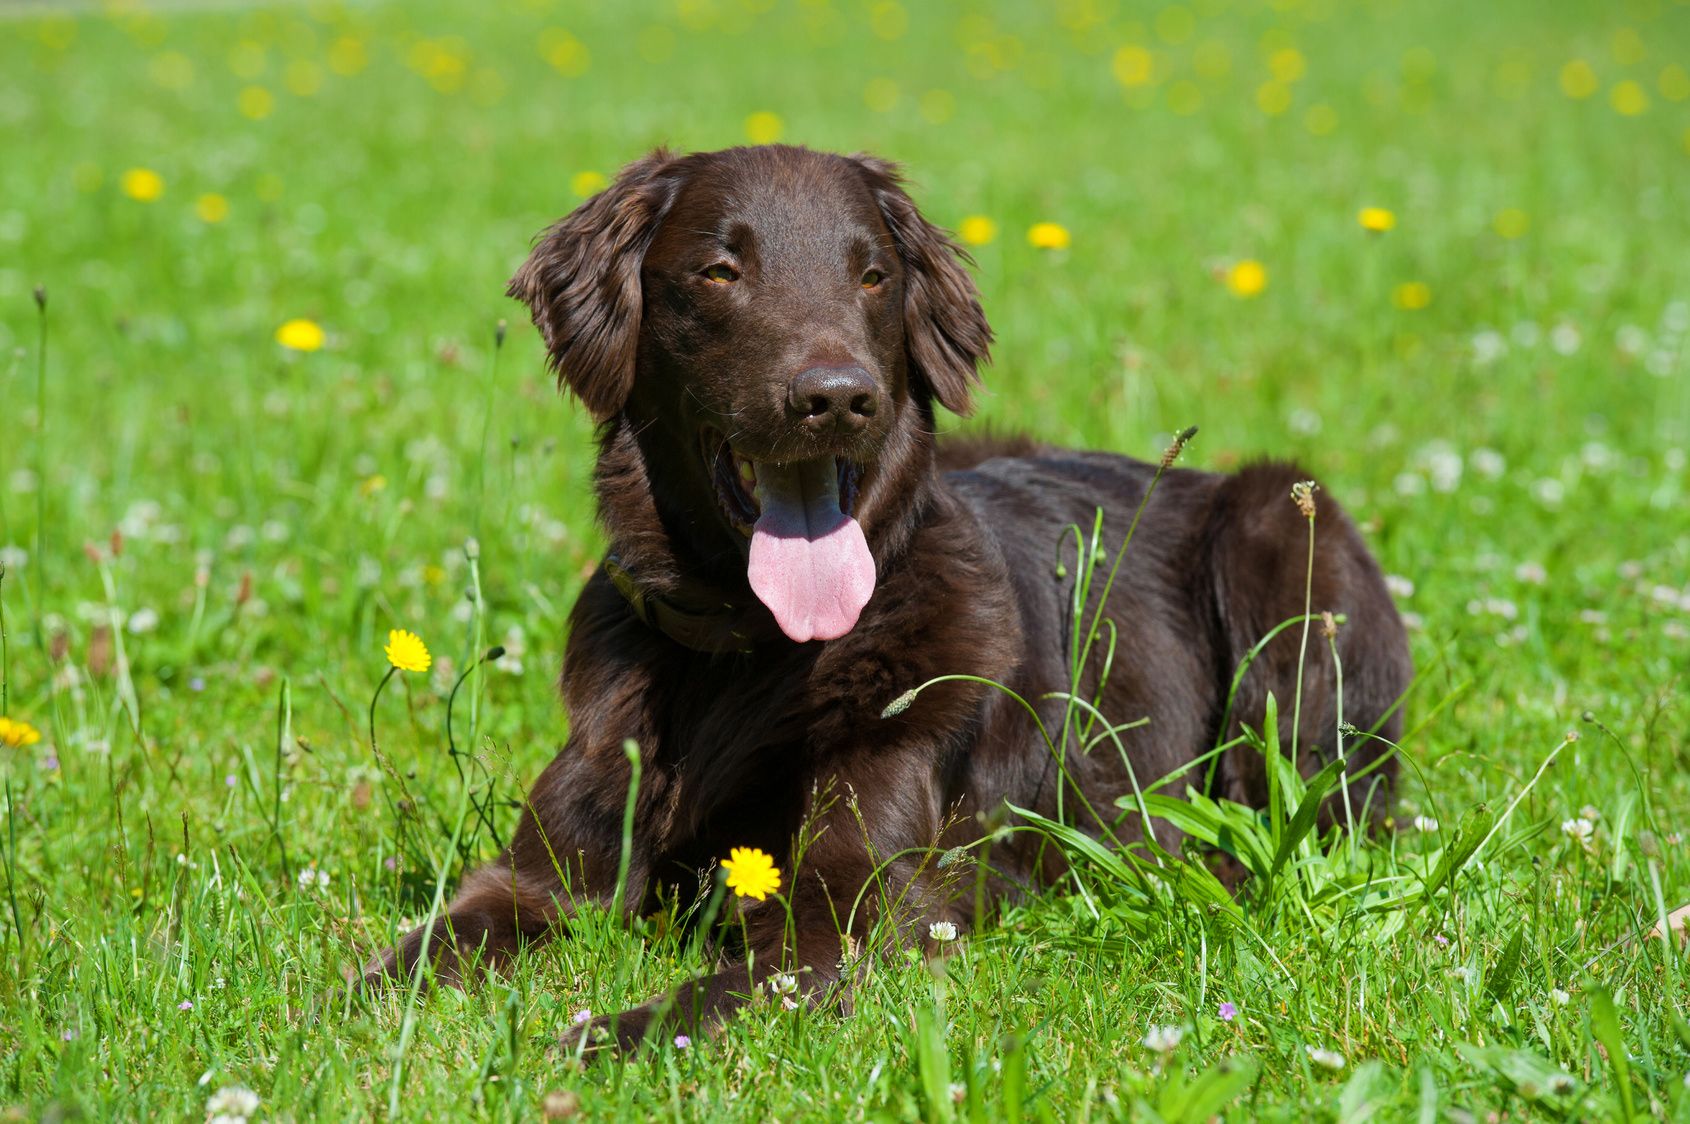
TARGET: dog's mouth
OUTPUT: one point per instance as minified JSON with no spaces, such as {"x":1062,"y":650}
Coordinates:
{"x":809,"y":562}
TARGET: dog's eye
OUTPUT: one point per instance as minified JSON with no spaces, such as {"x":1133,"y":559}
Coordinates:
{"x":872,"y":278}
{"x":721,"y":273}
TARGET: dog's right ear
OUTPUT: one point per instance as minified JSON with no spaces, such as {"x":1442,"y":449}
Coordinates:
{"x":582,"y":283}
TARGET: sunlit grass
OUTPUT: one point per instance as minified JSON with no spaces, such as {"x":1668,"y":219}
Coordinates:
{"x":267,"y":429}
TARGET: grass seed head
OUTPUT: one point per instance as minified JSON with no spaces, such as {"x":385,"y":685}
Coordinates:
{"x":1302,"y":493}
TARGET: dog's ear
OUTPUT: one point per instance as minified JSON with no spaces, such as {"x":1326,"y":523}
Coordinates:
{"x":945,"y":330}
{"x":582,"y":283}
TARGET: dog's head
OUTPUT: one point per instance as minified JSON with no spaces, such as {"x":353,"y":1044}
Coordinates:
{"x":783,"y":320}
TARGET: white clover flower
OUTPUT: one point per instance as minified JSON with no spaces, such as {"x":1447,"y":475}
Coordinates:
{"x":1488,"y":346}
{"x":1399,"y":586}
{"x":1425,"y":823}
{"x":1579,"y":831}
{"x":1326,"y":1059}
{"x":942,"y":931}
{"x":313,"y":879}
{"x":1163,"y":1039}
{"x":232,"y":1103}
{"x":1488,"y":463}
{"x":1559,"y":997}
{"x":1562,"y":1083}
{"x":1532,"y":573}
{"x":1549,"y":492}
{"x":783,"y":983}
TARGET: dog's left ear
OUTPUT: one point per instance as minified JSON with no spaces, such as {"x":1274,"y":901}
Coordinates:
{"x":945,"y":330}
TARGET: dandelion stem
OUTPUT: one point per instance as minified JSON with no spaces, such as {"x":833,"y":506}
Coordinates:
{"x":40,"y":583}
{"x":375,"y":699}
{"x":5,"y":651}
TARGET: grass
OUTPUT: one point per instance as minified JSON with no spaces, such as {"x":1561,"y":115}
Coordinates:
{"x":258,"y":518}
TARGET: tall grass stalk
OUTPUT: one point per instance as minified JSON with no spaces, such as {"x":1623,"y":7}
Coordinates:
{"x":1087,"y":555}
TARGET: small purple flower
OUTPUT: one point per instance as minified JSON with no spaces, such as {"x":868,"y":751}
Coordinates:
{"x":196,"y":684}
{"x":185,"y":1005}
{"x":68,"y":1035}
{"x":50,"y":763}
{"x":390,"y":863}
{"x":582,"y":1016}
{"x":1227,"y":1012}
{"x":682,"y":1042}
{"x":229,"y":779}
{"x":1442,"y":940}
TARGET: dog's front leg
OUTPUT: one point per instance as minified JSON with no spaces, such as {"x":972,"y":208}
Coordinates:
{"x":860,"y":875}
{"x":565,"y":853}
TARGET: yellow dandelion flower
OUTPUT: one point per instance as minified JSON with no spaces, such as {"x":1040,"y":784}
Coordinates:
{"x":1376,"y":220}
{"x":1511,"y":223}
{"x":1412,"y":296}
{"x":584,"y":184}
{"x":1247,"y":278}
{"x":881,"y":95}
{"x":1133,"y":66}
{"x":1578,"y":79}
{"x":751,"y":873}
{"x":303,"y":77}
{"x":1273,"y":98}
{"x":211,"y":207}
{"x":300,"y":335}
{"x":142,"y":184}
{"x":763,"y":127}
{"x":1629,"y":98}
{"x":1674,"y":83}
{"x":938,"y":106}
{"x":888,"y":20}
{"x":256,"y":103}
{"x":371,"y":485}
{"x":347,"y":55}
{"x":1287,"y":64}
{"x":16,"y":733}
{"x":406,"y":651}
{"x":977,"y":230}
{"x":1049,"y":236}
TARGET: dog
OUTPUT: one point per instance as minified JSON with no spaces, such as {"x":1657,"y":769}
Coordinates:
{"x":764,"y":336}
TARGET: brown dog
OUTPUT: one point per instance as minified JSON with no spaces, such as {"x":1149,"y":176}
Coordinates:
{"x":763,"y":335}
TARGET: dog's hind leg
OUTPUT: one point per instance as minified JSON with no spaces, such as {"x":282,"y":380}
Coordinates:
{"x":1259,"y":561}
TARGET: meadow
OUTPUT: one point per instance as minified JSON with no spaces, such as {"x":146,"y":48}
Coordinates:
{"x":259,"y":404}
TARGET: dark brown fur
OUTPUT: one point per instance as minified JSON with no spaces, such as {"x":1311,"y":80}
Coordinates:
{"x":756,"y":748}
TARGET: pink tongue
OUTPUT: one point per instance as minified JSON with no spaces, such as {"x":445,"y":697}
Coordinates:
{"x":809,"y":561}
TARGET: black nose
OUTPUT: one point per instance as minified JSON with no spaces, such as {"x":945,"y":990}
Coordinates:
{"x":833,"y":399}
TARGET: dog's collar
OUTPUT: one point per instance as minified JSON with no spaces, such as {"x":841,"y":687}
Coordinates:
{"x":716,"y":629}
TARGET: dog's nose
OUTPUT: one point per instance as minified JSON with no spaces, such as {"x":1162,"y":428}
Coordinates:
{"x":833,"y":399}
